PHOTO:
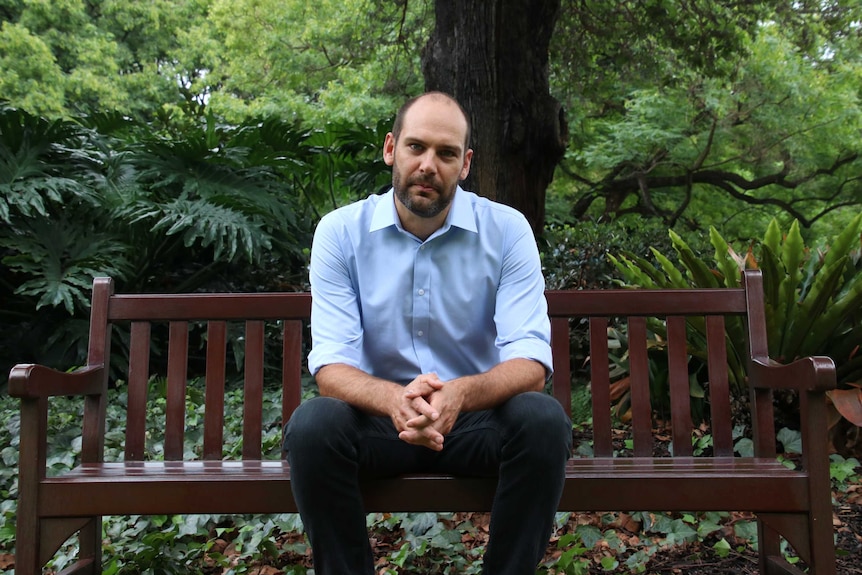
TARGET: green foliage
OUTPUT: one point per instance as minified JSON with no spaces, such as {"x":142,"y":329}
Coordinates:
{"x":65,"y":57}
{"x":576,"y":256}
{"x":432,"y":546}
{"x":196,"y":205}
{"x":322,"y":61}
{"x":844,"y":471}
{"x":811,"y":298}
{"x":726,"y":129}
{"x":44,"y":185}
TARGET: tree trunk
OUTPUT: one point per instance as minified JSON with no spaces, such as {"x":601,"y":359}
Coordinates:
{"x":492,"y":56}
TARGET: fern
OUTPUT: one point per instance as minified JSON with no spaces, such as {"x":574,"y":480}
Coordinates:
{"x":61,"y":258}
{"x":226,"y":230}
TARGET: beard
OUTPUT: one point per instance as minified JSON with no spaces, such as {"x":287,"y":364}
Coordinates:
{"x":421,"y":205}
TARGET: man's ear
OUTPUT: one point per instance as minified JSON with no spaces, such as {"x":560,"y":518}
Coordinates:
{"x":468,"y":158}
{"x":389,"y":149}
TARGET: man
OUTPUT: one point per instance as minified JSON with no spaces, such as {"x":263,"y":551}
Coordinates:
{"x":430,"y":346}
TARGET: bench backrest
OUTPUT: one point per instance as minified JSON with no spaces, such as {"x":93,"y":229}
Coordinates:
{"x":729,"y":324}
{"x":704,"y":311}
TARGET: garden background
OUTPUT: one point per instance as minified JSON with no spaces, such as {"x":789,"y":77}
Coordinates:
{"x":192,"y":145}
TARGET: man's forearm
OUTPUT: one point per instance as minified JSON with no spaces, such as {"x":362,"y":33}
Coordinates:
{"x":500,"y":383}
{"x":366,"y":392}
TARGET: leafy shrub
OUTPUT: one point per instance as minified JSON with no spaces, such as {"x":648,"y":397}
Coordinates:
{"x":576,"y":256}
{"x":812,"y":299}
{"x":202,"y":205}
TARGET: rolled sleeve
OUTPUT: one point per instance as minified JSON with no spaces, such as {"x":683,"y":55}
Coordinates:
{"x":336,"y":327}
{"x":534,"y":349}
{"x":521,"y":316}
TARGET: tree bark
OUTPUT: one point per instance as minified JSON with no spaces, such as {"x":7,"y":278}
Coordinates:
{"x":492,"y":56}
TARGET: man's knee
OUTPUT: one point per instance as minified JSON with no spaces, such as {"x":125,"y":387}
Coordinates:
{"x":539,"y":417}
{"x":317,"y":424}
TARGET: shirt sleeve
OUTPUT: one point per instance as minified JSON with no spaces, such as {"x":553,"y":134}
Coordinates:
{"x":336,"y":326}
{"x":521,"y":314}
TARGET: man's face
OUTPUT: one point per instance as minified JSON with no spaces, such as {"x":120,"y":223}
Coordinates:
{"x":429,"y":158}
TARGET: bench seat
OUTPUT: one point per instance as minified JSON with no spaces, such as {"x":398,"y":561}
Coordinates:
{"x":227,"y":487}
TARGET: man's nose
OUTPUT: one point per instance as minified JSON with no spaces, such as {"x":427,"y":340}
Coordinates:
{"x":427,"y":164}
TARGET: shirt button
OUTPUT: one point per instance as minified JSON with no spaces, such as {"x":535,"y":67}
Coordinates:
{"x":421,"y":292}
{"x":420,"y":333}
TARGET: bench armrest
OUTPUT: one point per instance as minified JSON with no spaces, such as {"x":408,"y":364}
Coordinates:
{"x":31,"y":381}
{"x":813,"y":373}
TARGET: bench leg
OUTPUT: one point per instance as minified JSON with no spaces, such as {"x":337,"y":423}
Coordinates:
{"x":39,"y":539}
{"x":27,"y":546}
{"x":768,"y":545}
{"x":811,"y":540}
{"x":90,"y":538}
{"x":822,"y":546}
{"x":31,"y":469}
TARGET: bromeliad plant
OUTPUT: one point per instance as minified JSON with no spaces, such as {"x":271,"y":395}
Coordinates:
{"x":813,"y":301}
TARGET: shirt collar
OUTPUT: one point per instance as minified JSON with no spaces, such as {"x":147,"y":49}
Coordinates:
{"x":460,"y":214}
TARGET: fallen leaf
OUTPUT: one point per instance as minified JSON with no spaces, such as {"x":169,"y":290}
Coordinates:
{"x":6,"y":561}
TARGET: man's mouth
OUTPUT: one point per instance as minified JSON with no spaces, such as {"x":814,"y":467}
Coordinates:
{"x":425,"y":187}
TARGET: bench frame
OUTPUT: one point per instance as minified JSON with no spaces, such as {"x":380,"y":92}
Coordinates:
{"x":793,"y":504}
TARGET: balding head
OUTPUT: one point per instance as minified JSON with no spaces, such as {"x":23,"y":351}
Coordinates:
{"x":437,"y":96}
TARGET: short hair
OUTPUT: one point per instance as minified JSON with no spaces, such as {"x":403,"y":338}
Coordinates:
{"x":398,"y":125}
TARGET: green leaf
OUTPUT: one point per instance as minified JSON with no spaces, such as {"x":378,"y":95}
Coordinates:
{"x":840,"y":312}
{"x":744,"y":447}
{"x":812,"y":306}
{"x":745,"y":530}
{"x":791,"y":440}
{"x":772,"y":237}
{"x":590,"y":535}
{"x":722,"y":548}
{"x":680,"y":532}
{"x":725,"y":259}
{"x":635,"y":270}
{"x":674,"y":276}
{"x":847,"y":239}
{"x":792,"y":253}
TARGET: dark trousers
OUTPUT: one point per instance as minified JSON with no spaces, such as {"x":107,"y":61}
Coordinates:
{"x":525,"y":442}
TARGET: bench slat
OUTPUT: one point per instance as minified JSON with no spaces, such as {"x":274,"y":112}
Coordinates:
{"x":721,"y":419}
{"x":209,"y":306}
{"x":178,"y":347}
{"x":291,"y":369}
{"x":644,"y":302}
{"x":560,"y":350}
{"x":253,"y":392}
{"x":215,"y":388}
{"x":600,"y":387}
{"x":680,"y":404}
{"x":640,"y":391}
{"x":139,"y":373}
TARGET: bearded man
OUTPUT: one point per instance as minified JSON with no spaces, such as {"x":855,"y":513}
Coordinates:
{"x":431,"y":349}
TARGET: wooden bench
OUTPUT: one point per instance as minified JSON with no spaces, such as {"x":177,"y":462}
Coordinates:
{"x":793,"y":504}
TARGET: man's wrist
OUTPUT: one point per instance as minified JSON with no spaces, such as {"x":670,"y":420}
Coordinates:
{"x":459,"y":388}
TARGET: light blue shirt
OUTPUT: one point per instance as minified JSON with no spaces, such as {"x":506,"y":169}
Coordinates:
{"x":467,"y":298}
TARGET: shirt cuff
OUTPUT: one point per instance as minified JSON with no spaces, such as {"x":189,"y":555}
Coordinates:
{"x":534,"y":349}
{"x":326,"y":354}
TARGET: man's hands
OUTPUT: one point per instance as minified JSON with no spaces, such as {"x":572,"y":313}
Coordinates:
{"x":427,"y":410}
